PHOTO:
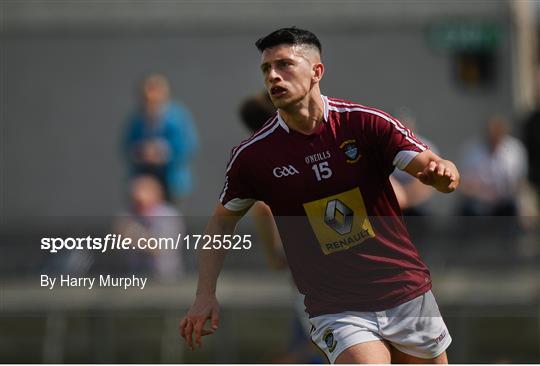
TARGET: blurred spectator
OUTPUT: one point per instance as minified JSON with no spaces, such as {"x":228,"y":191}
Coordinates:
{"x":160,"y":138}
{"x":530,"y":199}
{"x":256,"y":110}
{"x":494,"y":170}
{"x":412,"y":194}
{"x":531,"y":137}
{"x":151,"y":216}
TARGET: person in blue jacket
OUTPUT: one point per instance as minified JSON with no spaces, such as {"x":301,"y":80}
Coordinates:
{"x":160,"y":139}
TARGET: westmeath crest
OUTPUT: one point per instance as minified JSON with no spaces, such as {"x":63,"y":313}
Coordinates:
{"x":350,"y":150}
{"x":329,"y":339}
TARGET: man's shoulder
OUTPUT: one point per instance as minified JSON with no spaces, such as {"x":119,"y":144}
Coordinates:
{"x":176,"y":114}
{"x":261,"y":141}
{"x":177,"y":108}
{"x":334,"y":100}
{"x":338,"y":104}
{"x":355,"y":109}
{"x":513,"y":145}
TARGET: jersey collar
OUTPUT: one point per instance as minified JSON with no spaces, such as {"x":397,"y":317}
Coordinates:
{"x":325,"y":114}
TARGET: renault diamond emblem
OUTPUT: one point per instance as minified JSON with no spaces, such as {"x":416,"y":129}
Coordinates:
{"x":338,"y":216}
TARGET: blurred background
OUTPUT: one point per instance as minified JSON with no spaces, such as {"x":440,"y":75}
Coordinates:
{"x":120,"y":116}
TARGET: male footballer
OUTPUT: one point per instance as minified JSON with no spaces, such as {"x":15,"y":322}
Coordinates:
{"x":322,"y":165}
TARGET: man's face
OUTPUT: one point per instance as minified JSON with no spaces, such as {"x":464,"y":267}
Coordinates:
{"x":497,"y":130}
{"x":146,"y":193}
{"x":154,"y":96}
{"x":288,"y":73}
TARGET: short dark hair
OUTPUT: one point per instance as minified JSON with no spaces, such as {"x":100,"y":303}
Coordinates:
{"x":292,"y":36}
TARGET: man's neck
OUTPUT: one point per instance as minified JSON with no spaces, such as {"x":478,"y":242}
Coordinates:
{"x":306,"y":115}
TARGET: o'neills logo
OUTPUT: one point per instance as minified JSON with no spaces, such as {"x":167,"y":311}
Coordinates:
{"x":284,"y":171}
{"x":350,"y":150}
{"x":441,"y":337}
{"x":320,"y":156}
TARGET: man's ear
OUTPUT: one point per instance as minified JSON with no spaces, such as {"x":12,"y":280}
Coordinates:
{"x":318,"y":72}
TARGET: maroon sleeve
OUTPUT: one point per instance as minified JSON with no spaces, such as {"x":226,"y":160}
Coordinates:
{"x":396,"y":144}
{"x":237,"y":193}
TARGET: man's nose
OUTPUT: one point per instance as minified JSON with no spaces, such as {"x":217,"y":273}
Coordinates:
{"x":272,"y":75}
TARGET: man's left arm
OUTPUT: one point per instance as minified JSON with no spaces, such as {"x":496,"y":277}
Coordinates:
{"x":434,"y":171}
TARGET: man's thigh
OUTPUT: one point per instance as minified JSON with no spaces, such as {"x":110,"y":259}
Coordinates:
{"x":373,"y":352}
{"x":416,"y":328}
{"x":337,"y":333}
{"x":379,"y":352}
{"x":401,"y":357}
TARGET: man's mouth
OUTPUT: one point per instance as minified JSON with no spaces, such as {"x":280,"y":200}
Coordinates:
{"x":277,"y":91}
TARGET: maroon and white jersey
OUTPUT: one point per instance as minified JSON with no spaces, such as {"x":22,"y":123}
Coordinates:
{"x":337,"y":214}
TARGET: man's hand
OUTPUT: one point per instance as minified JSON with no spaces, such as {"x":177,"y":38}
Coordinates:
{"x":204,"y":307}
{"x":442,"y":175}
{"x":430,"y":169}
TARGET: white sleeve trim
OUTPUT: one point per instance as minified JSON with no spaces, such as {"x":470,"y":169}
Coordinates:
{"x":403,"y":158}
{"x":239,"y":204}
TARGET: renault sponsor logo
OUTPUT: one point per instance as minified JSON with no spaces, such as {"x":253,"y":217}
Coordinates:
{"x":340,"y":221}
{"x":284,"y":171}
{"x":338,"y":216}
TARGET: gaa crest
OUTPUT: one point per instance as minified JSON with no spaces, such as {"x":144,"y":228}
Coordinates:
{"x":350,"y":149}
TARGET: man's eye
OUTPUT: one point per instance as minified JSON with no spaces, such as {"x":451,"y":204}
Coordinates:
{"x":284,"y":64}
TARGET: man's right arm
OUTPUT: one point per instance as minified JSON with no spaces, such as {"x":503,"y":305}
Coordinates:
{"x":206,"y":307}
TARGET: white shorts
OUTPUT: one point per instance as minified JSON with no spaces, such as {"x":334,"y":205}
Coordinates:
{"x":415,"y":328}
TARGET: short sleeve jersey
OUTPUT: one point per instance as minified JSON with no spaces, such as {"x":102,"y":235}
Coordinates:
{"x":337,"y":214}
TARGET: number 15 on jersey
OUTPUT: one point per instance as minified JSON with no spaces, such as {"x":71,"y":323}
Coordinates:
{"x":322,"y":170}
